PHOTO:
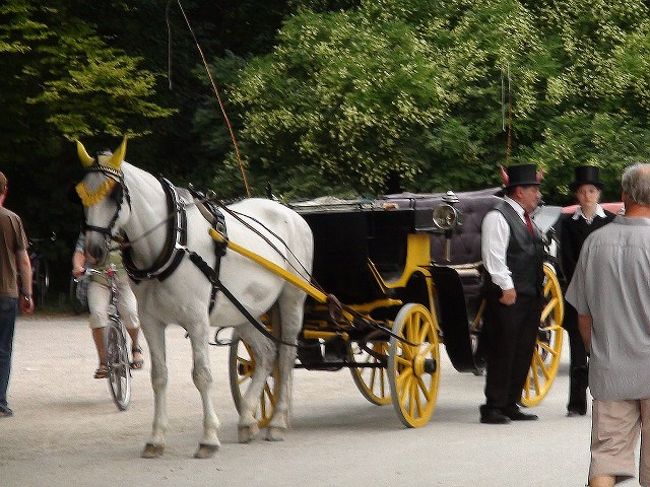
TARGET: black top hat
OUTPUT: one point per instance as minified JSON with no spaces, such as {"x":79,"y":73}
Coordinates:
{"x":586,"y":175}
{"x":522,"y":175}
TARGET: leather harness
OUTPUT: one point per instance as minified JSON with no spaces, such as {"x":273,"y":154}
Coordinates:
{"x":175,"y":244}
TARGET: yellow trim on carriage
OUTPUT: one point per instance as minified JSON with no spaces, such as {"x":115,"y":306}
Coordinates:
{"x":325,"y":335}
{"x":417,"y":258}
{"x":366,"y":308}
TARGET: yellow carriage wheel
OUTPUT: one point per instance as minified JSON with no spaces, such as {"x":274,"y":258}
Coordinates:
{"x":241,"y":368}
{"x":414,"y":370}
{"x":546,"y":356}
{"x":371,"y":381}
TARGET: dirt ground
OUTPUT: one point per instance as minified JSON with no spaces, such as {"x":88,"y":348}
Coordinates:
{"x":67,"y":432}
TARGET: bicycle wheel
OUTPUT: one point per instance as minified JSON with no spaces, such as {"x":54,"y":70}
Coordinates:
{"x":118,"y":362}
{"x":41,"y":280}
{"x":78,"y":306}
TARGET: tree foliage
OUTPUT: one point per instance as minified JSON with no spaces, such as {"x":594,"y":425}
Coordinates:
{"x":325,"y":96}
{"x":425,"y":89}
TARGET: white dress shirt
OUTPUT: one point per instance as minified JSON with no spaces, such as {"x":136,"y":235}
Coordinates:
{"x":495,"y":235}
{"x":599,"y":212}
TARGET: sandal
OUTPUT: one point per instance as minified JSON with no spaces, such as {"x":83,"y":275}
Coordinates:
{"x":137,"y":363}
{"x":101,"y":372}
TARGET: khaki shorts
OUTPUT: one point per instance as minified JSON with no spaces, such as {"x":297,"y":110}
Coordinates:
{"x":99,"y":296}
{"x":615,"y":428}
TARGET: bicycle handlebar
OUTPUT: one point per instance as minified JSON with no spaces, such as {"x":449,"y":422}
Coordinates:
{"x":109,"y":272}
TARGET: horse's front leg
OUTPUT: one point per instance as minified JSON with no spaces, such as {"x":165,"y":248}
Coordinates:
{"x":202,"y":377}
{"x":155,"y":335}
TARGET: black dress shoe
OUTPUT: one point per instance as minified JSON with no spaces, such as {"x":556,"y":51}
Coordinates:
{"x":575,"y":412}
{"x":493,"y":416}
{"x":518,"y":415}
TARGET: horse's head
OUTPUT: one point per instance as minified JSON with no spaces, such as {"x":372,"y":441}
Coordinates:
{"x":103,"y":194}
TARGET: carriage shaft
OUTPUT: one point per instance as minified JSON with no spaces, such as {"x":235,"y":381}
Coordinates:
{"x":290,"y":277}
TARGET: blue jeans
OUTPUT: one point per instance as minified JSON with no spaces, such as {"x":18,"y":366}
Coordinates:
{"x":8,"y":309}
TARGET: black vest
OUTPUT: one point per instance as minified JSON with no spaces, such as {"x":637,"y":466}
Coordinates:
{"x":525,"y":254}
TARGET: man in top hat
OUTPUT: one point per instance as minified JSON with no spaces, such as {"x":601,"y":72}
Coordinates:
{"x":574,"y":229}
{"x":513,"y":256}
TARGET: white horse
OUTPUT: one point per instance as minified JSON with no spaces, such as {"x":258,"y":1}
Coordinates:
{"x":120,"y":199}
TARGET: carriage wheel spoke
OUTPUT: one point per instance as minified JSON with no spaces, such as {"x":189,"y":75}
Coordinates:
{"x":535,"y":377}
{"x":547,"y":287}
{"x":403,"y":361}
{"x":406,"y":373}
{"x":423,"y":334}
{"x":412,"y":402}
{"x":542,"y":366}
{"x":553,"y":327}
{"x":404,"y":392}
{"x":527,"y":387}
{"x":371,"y":382}
{"x":416,"y":325}
{"x":548,"y":308}
{"x":546,"y":347}
{"x":418,"y":400}
{"x":423,"y":388}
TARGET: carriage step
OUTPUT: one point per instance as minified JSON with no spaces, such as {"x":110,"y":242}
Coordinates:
{"x":324,"y":366}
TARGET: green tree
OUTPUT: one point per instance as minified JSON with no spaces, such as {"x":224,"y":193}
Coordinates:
{"x":61,"y":80}
{"x":424,"y":89}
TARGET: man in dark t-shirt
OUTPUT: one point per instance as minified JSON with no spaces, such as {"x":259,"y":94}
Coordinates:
{"x":14,"y":262}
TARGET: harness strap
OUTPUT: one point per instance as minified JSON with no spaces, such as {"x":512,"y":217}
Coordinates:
{"x":172,"y":254}
{"x":217,"y":220}
{"x":212,"y":277}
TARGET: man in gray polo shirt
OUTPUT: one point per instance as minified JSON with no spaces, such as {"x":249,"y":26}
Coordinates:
{"x":611,"y":291}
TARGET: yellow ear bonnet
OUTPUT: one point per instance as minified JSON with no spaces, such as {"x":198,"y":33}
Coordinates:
{"x":86,"y":160}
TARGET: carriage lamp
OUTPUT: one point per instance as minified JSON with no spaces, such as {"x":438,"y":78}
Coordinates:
{"x":446,"y":217}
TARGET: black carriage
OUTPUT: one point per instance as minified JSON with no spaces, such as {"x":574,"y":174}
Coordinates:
{"x":407,"y":268}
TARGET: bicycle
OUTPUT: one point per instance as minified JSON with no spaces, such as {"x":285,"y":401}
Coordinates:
{"x":40,"y":268}
{"x":77,"y":296}
{"x":118,"y":360}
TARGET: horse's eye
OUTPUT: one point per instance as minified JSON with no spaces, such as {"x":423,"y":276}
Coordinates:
{"x":116,"y":195}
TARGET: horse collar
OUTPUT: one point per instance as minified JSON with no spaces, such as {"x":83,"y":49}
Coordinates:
{"x":173,"y":250}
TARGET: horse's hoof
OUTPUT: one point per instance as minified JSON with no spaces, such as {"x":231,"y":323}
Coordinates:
{"x":275,"y":434}
{"x":152,"y":451}
{"x":206,"y":451}
{"x":247,"y":433}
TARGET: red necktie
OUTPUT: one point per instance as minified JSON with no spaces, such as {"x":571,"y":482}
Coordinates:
{"x":529,"y":223}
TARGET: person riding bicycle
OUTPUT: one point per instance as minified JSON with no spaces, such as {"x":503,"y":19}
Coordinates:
{"x":99,"y":300}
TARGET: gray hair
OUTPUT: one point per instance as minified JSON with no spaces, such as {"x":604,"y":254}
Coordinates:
{"x":636,"y":183}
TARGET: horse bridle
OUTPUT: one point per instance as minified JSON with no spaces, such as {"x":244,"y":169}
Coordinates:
{"x":118,"y":177}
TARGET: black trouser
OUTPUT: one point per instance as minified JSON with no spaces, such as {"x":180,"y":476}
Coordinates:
{"x":578,"y":371}
{"x":511,"y":332}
